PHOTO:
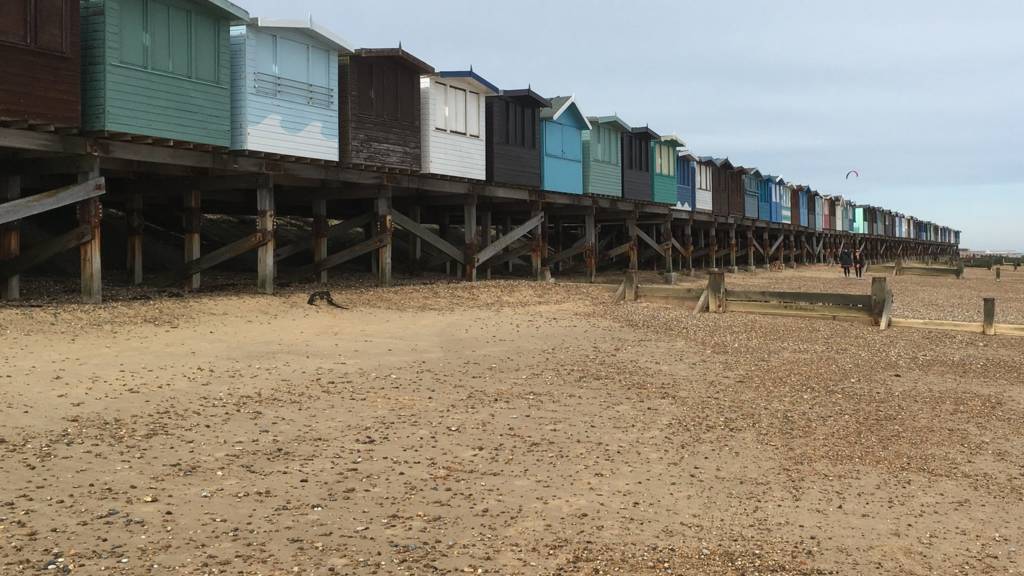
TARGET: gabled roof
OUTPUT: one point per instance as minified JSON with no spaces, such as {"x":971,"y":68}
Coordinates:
{"x":398,"y":53}
{"x":615,"y":120}
{"x":559,"y":105}
{"x":673,"y":139}
{"x":527,"y":94}
{"x":229,"y":8}
{"x":471,"y":76}
{"x":309,"y":27}
{"x":719,"y":162}
{"x":688,"y":155}
{"x":645,"y":130}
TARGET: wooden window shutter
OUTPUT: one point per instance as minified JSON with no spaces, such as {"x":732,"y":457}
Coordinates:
{"x":14,"y":25}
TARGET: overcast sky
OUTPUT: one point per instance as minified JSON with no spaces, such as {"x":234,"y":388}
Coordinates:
{"x":924,"y":97}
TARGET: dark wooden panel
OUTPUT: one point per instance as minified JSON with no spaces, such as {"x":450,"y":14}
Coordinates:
{"x":636,"y":166}
{"x":512,"y":163}
{"x":380,"y":112}
{"x":42,"y":70}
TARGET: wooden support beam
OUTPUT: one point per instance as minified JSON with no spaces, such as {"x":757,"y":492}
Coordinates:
{"x":265,"y":210}
{"x":485,"y":237}
{"x":879,"y":293}
{"x":776,"y":245}
{"x":590,"y":245}
{"x":136,"y":231}
{"x":512,"y":255}
{"x":666,"y":247}
{"x":385,"y":229}
{"x":470,"y":240}
{"x":577,"y":248}
{"x":415,"y":243}
{"x":716,"y":291}
{"x":418,"y":230}
{"x":253,"y":241}
{"x":505,"y":241}
{"x":751,"y":246}
{"x":338,"y":230}
{"x":732,"y":249}
{"x":713,"y":250}
{"x":10,"y":239}
{"x":193,"y":222}
{"x":634,"y":247}
{"x":44,"y":251}
{"x":90,"y":213}
{"x":87,"y":189}
{"x":320,"y":234}
{"x":637,"y":232}
{"x":688,"y":239}
{"x":345,"y":255}
{"x":539,"y":247}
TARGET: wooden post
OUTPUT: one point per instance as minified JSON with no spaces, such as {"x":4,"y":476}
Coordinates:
{"x":792,"y":250}
{"x":442,"y":228}
{"x":508,"y":228}
{"x":630,"y":284}
{"x":265,"y":225}
{"x":750,"y":249}
{"x":713,"y":254}
{"x":999,"y":274}
{"x":136,"y":230}
{"x":485,"y":238}
{"x":732,"y":249}
{"x":989,"y":322}
{"x":634,"y":256}
{"x":320,"y":226}
{"x":90,"y":213}
{"x":879,"y":292}
{"x":382,"y":208}
{"x":716,"y":291}
{"x":192,"y":224}
{"x":470,"y":245}
{"x":538,"y":249}
{"x":590,"y":255}
{"x":666,"y":242}
{"x":766,"y":245}
{"x":688,"y":231}
{"x":10,"y":238}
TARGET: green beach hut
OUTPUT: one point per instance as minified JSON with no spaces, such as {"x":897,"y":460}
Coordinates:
{"x":158,"y":68}
{"x":602,"y":156}
{"x":664,"y":152}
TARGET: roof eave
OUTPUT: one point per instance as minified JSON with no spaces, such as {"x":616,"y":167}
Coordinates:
{"x":309,"y":27}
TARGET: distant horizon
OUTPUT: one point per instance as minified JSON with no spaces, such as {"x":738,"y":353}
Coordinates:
{"x":922,"y":98}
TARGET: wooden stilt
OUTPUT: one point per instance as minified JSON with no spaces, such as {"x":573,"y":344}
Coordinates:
{"x":590,"y":254}
{"x":193,"y":219}
{"x":415,"y":243}
{"x":792,"y":249}
{"x":732,"y":249}
{"x":136,"y":229}
{"x":90,"y":213}
{"x":537,"y":253}
{"x":470,"y":241}
{"x":320,"y":226}
{"x":382,"y":207}
{"x":688,"y":239}
{"x":10,"y":239}
{"x":508,"y":228}
{"x":765,"y":245}
{"x":750,"y":250}
{"x":716,"y":291}
{"x":443,"y":232}
{"x":485,"y":238}
{"x":265,"y":210}
{"x":634,"y":255}
{"x":669,"y":252}
{"x":713,"y":253}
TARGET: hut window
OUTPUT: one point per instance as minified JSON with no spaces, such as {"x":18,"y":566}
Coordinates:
{"x":438,"y":95}
{"x":132,"y":28}
{"x":473,"y":114}
{"x":292,"y":60}
{"x":457,"y":109}
{"x":168,"y":38}
{"x":49,"y":25}
{"x":40,"y":24}
{"x":205,"y":34}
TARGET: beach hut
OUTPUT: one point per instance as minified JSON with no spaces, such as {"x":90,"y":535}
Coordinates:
{"x":453,"y":128}
{"x":380,"y":108}
{"x":284,"y":89}
{"x":704,"y":184}
{"x":664,"y":157}
{"x":811,"y":208}
{"x":602,"y":156}
{"x":39,"y":48}
{"x":786,"y":196}
{"x":779,"y":199}
{"x":686,"y":188}
{"x":637,"y":163}
{"x":765,"y":189}
{"x":827,"y":212}
{"x":158,"y":69}
{"x":798,"y":199}
{"x":513,"y":137}
{"x":819,"y":212}
{"x":752,"y":186}
{"x":562,"y":145}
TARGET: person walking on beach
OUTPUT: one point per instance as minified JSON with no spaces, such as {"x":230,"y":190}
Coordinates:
{"x":858,"y":263}
{"x":846,"y":261}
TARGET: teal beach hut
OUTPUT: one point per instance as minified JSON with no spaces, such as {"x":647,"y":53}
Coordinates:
{"x":664,"y":157}
{"x":602,"y":156}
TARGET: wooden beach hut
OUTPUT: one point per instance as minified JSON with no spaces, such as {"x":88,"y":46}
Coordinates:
{"x":158,"y":70}
{"x":380,"y":108}
{"x":454,"y":129}
{"x":664,"y":157}
{"x":513,"y":137}
{"x":285,"y":88}
{"x":40,"y":51}
{"x":686,"y":187}
{"x":704,"y":192}
{"x":562,"y":127}
{"x":602,"y":156}
{"x":637,"y":163}
{"x":753,"y":186}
